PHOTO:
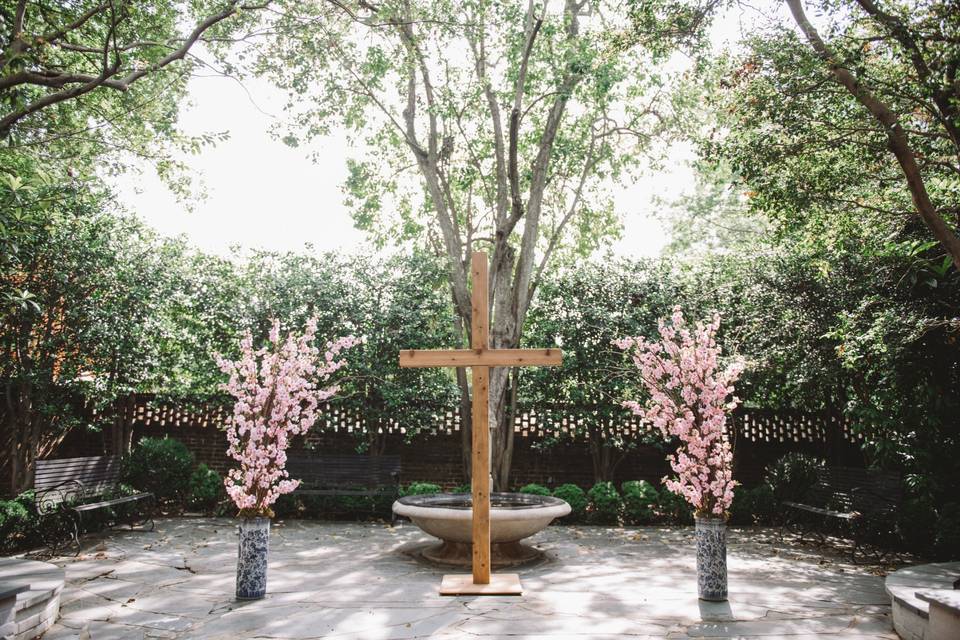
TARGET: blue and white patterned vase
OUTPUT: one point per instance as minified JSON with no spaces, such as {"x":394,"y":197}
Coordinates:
{"x":254,"y":534}
{"x":712,"y":559}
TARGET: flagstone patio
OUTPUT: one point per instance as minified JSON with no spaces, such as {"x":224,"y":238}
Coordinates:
{"x":343,"y":580}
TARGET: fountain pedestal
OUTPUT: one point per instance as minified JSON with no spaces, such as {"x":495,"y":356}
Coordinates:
{"x":502,"y":554}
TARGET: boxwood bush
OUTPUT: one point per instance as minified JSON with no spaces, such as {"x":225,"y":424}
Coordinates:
{"x":420,"y":488}
{"x":206,"y":489}
{"x":535,"y":489}
{"x":755,"y":506}
{"x":162,"y":466}
{"x":673,"y":509}
{"x":605,"y":503}
{"x":947,"y":540}
{"x":793,"y":476}
{"x":639,"y":501}
{"x":575,"y":497}
{"x":18,"y":521}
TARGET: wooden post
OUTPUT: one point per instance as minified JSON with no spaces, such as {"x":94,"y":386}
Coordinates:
{"x":480,"y":357}
{"x":479,"y":340}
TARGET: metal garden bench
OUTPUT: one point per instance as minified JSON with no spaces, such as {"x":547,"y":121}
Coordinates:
{"x":848,"y":498}
{"x":345,"y":475}
{"x":68,"y":489}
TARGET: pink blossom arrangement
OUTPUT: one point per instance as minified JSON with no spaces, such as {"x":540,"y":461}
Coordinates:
{"x":689,"y":401}
{"x":277,"y":394}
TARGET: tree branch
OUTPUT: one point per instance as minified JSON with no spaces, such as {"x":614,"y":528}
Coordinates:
{"x":945,"y":102}
{"x":532,"y":28}
{"x":588,"y":167}
{"x":107,"y":77}
{"x":896,"y":137}
{"x":531,"y":228}
{"x":480,"y":63}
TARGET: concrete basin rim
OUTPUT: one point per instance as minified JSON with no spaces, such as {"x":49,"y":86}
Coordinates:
{"x":434,"y":513}
{"x":533,"y":512}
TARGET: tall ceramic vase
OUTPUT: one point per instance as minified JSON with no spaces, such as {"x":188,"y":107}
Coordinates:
{"x":711,"y":558}
{"x":254,"y":534}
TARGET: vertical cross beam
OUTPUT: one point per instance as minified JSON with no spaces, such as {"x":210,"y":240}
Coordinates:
{"x":479,"y":340}
{"x":480,"y":357}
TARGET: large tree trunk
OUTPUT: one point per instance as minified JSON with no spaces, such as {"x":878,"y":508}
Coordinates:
{"x":513,"y":272}
{"x":605,"y":458}
{"x":10,"y":440}
{"x":22,"y":433}
{"x":122,"y":432}
{"x":466,"y":426}
{"x":501,"y":428}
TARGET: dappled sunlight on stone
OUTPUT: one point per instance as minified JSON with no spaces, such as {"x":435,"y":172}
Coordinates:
{"x":359,"y":581}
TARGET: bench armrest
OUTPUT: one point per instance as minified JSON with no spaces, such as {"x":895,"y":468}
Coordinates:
{"x":49,"y":500}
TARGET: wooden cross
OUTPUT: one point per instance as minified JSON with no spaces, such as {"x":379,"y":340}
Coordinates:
{"x":480,"y":358}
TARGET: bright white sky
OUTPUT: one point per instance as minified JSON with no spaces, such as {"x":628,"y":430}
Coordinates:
{"x":263,"y":194}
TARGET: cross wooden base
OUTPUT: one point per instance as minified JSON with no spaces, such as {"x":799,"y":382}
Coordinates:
{"x":461,"y":584}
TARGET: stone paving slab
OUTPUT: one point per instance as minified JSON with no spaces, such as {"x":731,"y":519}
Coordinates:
{"x":363,"y":581}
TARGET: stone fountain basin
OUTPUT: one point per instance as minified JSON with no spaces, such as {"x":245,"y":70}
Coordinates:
{"x":513,"y":516}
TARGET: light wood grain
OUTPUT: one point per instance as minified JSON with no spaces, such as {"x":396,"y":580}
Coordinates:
{"x":480,"y":358}
{"x":461,"y":584}
{"x":480,"y":483}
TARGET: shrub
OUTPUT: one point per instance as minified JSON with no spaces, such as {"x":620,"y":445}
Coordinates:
{"x":535,"y":489}
{"x":605,"y":503}
{"x":639,"y":499}
{"x":381,"y":505}
{"x":766,"y":510}
{"x":947,"y":541}
{"x":420,"y":488}
{"x":753,"y":506}
{"x":18,"y":521}
{"x":161,"y":466}
{"x":917,"y":524}
{"x":97,"y":519}
{"x":673,"y":509}
{"x":463,"y":488}
{"x":793,"y":476}
{"x":288,"y":506}
{"x":351,"y":506}
{"x":877,"y":529}
{"x":206,"y":489}
{"x":335,"y":507}
{"x":575,"y":497}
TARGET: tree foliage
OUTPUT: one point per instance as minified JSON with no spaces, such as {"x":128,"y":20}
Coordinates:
{"x":483,"y":124}
{"x":816,"y":157}
{"x":80,"y":289}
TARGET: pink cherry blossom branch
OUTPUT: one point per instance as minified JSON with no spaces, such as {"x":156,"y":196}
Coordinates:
{"x":276,"y":396}
{"x":689,"y":401}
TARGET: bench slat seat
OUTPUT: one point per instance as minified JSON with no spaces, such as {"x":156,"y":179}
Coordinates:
{"x":844,"y":515}
{"x":90,"y":506}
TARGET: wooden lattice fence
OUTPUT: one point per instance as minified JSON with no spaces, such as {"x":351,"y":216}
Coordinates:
{"x":561,"y":422}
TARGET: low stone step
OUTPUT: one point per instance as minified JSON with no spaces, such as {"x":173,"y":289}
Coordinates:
{"x":33,"y":601}
{"x":911,"y":613}
{"x":944,"y":619}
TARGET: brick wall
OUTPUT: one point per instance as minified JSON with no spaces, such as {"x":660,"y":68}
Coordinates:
{"x":436,"y":458}
{"x":762,"y":437}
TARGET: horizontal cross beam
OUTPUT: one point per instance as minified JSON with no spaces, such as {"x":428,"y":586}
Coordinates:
{"x":480,"y":357}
